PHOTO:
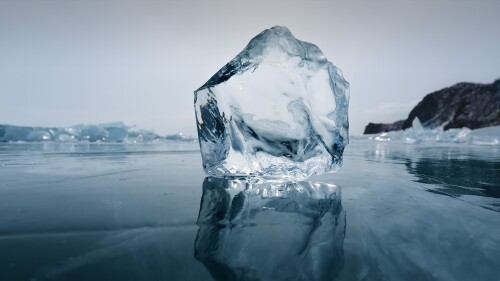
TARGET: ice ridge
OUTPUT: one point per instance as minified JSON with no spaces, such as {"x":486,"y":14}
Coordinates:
{"x":108,"y":132}
{"x":419,"y":135}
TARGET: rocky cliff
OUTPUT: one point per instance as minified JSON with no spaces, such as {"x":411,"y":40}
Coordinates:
{"x":375,"y":128}
{"x":468,"y":105}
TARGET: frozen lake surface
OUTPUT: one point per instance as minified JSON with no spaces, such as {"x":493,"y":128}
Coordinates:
{"x":79,"y":211}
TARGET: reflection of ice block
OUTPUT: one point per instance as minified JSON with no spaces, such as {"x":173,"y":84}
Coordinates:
{"x":270,"y":231}
{"x":279,"y":108}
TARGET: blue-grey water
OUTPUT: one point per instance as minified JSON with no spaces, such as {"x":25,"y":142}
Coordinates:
{"x":80,"y":211}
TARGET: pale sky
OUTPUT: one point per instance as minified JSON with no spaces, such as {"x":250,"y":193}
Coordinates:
{"x":69,"y":62}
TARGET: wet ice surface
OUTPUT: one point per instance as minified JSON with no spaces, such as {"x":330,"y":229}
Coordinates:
{"x":75,"y":211}
{"x":270,"y":231}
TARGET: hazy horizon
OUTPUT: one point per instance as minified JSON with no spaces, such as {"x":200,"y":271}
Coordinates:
{"x":65,"y":63}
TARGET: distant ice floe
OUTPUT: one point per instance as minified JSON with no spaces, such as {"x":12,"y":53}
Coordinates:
{"x":108,"y":132}
{"x":418,"y":135}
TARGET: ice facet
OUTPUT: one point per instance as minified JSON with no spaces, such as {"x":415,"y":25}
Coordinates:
{"x":279,"y":108}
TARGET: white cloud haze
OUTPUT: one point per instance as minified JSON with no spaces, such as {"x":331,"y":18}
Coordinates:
{"x":69,"y":62}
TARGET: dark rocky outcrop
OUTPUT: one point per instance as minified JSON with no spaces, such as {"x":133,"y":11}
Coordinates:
{"x":468,"y":105}
{"x":375,"y":128}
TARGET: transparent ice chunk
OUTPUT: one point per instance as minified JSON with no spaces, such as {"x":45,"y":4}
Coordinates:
{"x":279,"y":108}
{"x":260,"y":230}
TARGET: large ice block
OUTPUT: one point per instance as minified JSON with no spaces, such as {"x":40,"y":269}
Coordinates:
{"x":278,"y":109}
{"x":260,"y":230}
